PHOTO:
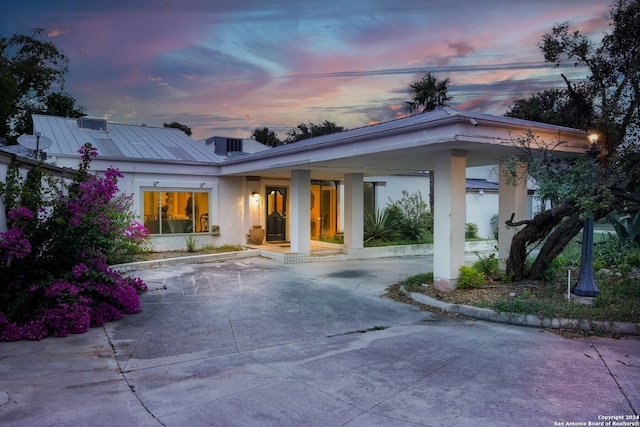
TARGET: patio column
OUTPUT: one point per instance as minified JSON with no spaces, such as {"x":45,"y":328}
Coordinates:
{"x":353,"y":211}
{"x":299,"y":214}
{"x":512,"y":199}
{"x":449,"y":217}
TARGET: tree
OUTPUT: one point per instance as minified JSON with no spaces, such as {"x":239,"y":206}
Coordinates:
{"x":607,"y":102}
{"x":176,"y":125}
{"x":614,"y":81}
{"x":428,"y":94}
{"x":54,"y":104}
{"x":312,"y":130}
{"x":557,"y":107}
{"x":266,"y":136}
{"x":31,"y":70}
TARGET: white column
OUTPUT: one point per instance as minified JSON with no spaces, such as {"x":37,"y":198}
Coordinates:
{"x":449,"y":217}
{"x":512,"y":196}
{"x":353,"y":211}
{"x":300,"y":225}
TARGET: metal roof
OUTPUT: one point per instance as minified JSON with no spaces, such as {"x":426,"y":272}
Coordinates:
{"x":121,"y":141}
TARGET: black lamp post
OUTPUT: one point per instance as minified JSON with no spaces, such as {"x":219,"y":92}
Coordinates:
{"x":586,"y":286}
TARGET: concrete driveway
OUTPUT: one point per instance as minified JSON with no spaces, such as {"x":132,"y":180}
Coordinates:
{"x":253,"y":342}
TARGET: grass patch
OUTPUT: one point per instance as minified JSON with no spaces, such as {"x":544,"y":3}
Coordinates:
{"x":414,"y":283}
{"x":618,"y":301}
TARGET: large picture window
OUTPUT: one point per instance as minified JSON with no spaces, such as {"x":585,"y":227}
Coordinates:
{"x":170,"y":212}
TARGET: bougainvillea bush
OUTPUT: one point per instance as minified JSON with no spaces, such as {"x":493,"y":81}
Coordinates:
{"x":54,"y":273}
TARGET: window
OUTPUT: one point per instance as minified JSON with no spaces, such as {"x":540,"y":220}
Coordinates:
{"x":369,"y":197}
{"x":170,"y":212}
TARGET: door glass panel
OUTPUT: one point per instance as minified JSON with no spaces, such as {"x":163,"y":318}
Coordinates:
{"x":324,"y":209}
{"x":201,"y":212}
{"x":315,"y":216}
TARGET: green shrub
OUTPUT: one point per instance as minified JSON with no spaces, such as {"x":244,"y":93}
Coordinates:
{"x":571,"y":254}
{"x":470,"y":278}
{"x":633,"y":258}
{"x":471,"y":231}
{"x":487,"y":265}
{"x":612,"y":251}
{"x":414,"y":219}
{"x":554,"y":270}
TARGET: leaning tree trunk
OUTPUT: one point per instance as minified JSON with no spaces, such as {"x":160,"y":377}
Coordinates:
{"x":555,"y":243}
{"x":535,"y":230}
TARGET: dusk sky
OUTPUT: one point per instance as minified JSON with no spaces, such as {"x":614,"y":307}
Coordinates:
{"x":225,"y":67}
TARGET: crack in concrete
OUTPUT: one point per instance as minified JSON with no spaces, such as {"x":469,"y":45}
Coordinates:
{"x":124,"y":377}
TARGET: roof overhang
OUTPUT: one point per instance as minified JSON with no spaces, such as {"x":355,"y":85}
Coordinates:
{"x":389,"y":150}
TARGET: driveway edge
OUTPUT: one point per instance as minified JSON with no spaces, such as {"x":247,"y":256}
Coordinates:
{"x":526,"y":319}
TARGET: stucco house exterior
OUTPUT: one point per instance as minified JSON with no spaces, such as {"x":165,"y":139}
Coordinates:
{"x":313,"y":188}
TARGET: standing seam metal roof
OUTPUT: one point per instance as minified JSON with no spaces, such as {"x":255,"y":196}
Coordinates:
{"x":122,"y":141}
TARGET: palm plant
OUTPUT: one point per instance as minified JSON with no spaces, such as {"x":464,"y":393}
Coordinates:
{"x":379,"y":225}
{"x":428,"y":93}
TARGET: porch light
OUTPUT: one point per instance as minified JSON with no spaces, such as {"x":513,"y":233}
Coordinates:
{"x":255,"y":195}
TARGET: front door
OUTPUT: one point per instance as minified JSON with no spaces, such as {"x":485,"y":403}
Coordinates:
{"x":276,"y":214}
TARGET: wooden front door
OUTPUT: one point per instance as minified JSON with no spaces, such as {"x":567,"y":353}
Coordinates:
{"x":276,"y":214}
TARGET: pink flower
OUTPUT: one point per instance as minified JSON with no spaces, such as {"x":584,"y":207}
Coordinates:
{"x":79,"y":269}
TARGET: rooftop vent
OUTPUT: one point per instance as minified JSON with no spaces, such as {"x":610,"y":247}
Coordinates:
{"x":92,"y":123}
{"x":225,"y":146}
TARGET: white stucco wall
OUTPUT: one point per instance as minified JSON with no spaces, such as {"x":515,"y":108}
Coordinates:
{"x":391,"y":187}
{"x":232,"y":201}
{"x":480,"y":209}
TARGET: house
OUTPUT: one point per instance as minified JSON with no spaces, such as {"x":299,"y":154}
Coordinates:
{"x":310,"y":189}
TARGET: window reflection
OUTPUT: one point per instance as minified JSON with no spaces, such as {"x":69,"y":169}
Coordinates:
{"x":171,"y":212}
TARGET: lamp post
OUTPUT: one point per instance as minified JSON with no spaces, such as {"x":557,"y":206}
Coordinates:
{"x":586,"y":286}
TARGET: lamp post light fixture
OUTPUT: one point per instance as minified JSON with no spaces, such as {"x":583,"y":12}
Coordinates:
{"x":586,"y":286}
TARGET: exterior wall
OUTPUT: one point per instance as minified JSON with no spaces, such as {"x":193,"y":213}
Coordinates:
{"x":391,"y":187}
{"x":140,"y":176}
{"x":27,"y":165}
{"x":480,"y":208}
{"x":232,"y":203}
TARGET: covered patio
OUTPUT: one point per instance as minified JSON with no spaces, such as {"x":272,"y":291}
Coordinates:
{"x":445,"y":141}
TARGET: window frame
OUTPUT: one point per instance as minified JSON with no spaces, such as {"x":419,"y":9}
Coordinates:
{"x":160,"y":223}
